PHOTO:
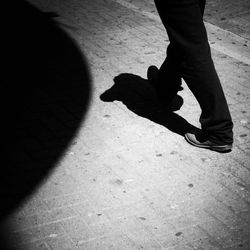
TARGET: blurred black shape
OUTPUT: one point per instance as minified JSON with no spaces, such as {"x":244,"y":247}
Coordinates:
{"x":139,"y":97}
{"x":45,"y":92}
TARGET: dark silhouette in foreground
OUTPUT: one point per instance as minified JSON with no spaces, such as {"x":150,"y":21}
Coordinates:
{"x":46,"y":91}
{"x":139,"y":97}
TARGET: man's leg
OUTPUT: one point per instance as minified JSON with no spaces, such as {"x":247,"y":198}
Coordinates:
{"x":186,"y":31}
{"x":169,"y":75}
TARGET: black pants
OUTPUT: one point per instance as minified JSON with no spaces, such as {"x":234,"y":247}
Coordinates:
{"x":189,"y":57}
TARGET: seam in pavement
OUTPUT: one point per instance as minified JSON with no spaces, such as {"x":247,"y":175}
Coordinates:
{"x":230,"y":50}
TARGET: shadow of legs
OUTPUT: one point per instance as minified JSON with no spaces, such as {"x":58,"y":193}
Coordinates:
{"x":139,"y":97}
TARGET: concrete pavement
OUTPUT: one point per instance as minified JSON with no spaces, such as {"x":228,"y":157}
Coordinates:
{"x":129,"y":180}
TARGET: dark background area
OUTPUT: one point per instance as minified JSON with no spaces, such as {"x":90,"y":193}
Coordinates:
{"x":46,"y":90}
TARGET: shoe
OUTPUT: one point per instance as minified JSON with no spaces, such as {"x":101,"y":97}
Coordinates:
{"x":152,"y":75}
{"x":202,"y":141}
{"x":177,"y":101}
{"x":175,"y":104}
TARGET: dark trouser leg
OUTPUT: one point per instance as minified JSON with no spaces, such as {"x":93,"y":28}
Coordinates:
{"x":189,"y":57}
{"x":169,"y":79}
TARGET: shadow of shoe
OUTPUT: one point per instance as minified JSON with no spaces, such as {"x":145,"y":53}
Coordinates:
{"x":139,"y":96}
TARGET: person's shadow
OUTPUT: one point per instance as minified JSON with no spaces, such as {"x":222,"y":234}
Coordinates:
{"x":45,"y":89}
{"x":139,"y":97}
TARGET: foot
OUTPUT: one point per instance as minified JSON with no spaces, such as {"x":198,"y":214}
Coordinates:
{"x":176,"y":102}
{"x":202,"y":141}
{"x":152,"y":75}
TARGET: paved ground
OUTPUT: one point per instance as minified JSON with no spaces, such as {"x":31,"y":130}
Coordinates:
{"x":129,"y":180}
